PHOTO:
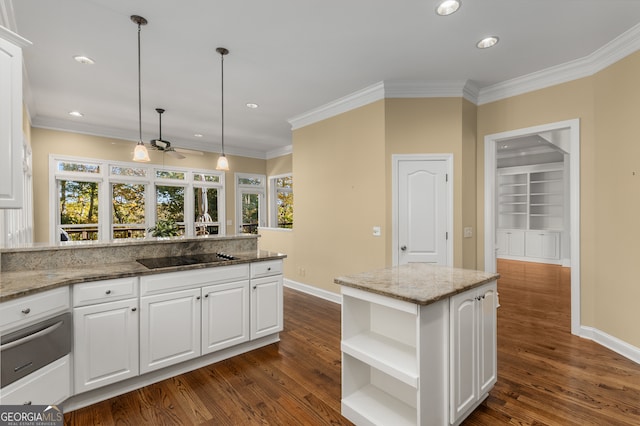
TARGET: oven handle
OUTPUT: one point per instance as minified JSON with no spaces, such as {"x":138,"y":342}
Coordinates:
{"x":31,"y":337}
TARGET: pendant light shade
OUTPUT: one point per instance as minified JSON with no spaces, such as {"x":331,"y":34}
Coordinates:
{"x":223,"y":163}
{"x":140,"y":153}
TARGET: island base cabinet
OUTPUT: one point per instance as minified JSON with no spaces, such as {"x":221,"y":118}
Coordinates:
{"x":473,"y":349}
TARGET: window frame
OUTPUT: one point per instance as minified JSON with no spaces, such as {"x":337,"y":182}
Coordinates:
{"x":260,"y":190}
{"x":105,"y":180}
{"x":273,"y":200}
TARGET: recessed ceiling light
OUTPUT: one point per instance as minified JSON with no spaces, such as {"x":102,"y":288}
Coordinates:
{"x":487,"y":42}
{"x":252,"y":106}
{"x":447,"y":7}
{"x":84,"y":60}
{"x":76,"y":114}
{"x":198,"y":135}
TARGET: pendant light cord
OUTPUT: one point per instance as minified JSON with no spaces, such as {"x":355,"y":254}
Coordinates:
{"x":139,"y":91}
{"x":222,"y":97}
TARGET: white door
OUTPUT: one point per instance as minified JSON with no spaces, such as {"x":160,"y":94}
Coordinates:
{"x":423,"y":211}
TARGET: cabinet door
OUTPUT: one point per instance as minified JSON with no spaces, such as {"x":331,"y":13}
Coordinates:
{"x":464,"y":353}
{"x":106,"y":343}
{"x":169,"y":329}
{"x":543,"y":244}
{"x":225,"y":315}
{"x":487,"y":337}
{"x":11,"y":178}
{"x":49,"y":385}
{"x":266,"y":306}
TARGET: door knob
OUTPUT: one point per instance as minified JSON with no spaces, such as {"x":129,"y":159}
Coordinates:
{"x":403,"y":248}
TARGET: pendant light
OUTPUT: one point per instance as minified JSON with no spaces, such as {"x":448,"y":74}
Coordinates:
{"x":140,"y":153}
{"x":223,"y":163}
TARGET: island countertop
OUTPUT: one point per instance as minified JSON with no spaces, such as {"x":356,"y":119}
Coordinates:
{"x":419,"y":283}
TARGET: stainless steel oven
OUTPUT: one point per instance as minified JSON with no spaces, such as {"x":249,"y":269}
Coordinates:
{"x":33,"y":347}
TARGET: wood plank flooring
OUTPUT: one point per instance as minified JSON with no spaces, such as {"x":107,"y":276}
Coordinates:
{"x":546,"y":376}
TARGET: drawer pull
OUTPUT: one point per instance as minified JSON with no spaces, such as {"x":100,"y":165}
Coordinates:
{"x":31,"y":337}
{"x":26,"y":311}
{"x":107,"y":292}
{"x":22,"y":367}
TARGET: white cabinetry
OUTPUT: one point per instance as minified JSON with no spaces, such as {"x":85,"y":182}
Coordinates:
{"x":105,"y":323}
{"x":473,"y":368}
{"x":11,"y":161}
{"x":401,"y":364}
{"x":225,"y":315}
{"x":530,"y":208}
{"x":266,"y":298}
{"x":169,"y":329}
{"x":48,"y":385}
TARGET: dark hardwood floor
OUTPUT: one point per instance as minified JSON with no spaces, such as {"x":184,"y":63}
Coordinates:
{"x":546,"y":376}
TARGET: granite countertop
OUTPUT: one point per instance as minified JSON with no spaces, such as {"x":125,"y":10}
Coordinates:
{"x":419,"y":283}
{"x":22,"y":283}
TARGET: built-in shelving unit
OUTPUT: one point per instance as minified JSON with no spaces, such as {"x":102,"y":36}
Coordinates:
{"x":531,"y":211}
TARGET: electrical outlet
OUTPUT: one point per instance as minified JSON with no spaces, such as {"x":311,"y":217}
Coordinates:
{"x":468,"y":232}
{"x":377,"y":231}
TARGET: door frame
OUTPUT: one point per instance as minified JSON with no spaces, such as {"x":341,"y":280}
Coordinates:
{"x":490,"y":164}
{"x":395,"y":161}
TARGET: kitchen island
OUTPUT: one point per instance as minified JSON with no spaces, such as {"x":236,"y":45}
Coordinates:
{"x":418,"y":344}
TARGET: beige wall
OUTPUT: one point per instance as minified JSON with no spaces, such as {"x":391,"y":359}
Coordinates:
{"x":45,"y":142}
{"x":607,"y":105}
{"x":339,"y":195}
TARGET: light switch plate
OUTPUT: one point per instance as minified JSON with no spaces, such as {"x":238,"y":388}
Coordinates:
{"x":376,"y":231}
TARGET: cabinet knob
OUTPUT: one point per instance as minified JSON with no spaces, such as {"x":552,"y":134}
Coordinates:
{"x":268,"y":269}
{"x":107,"y":292}
{"x":403,"y":248}
{"x":26,"y":403}
{"x":206,"y":295}
{"x":198,"y":298}
{"x":255,"y":286}
{"x":26,"y":311}
{"x":134,"y":309}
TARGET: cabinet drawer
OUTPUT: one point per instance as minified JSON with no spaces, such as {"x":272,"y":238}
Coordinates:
{"x":264,"y":269}
{"x":104,"y":291}
{"x":49,"y":385}
{"x":162,"y":283}
{"x":25,"y":310}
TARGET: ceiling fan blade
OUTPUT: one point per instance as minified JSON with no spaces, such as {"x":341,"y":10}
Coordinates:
{"x":189,"y":151}
{"x":175,"y":154}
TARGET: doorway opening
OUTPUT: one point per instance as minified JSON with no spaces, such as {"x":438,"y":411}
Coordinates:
{"x":535,"y":213}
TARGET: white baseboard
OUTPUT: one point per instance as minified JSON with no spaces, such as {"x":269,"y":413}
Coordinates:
{"x":314,"y":291}
{"x":619,"y":346}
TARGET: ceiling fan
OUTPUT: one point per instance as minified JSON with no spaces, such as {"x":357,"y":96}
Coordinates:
{"x":162,"y":145}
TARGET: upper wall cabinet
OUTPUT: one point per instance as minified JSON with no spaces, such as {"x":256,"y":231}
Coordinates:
{"x":11,"y":162}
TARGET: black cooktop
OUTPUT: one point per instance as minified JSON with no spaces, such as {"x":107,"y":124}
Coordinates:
{"x":192,"y":259}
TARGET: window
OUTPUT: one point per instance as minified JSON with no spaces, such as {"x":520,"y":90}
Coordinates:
{"x":100,"y":200}
{"x":128,"y":210}
{"x":250,"y":192}
{"x":78,"y":206}
{"x":281,"y":201}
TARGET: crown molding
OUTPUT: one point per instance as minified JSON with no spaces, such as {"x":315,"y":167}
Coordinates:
{"x":385,"y":90}
{"x":279,"y":152}
{"x":115,"y":133}
{"x":619,"y":48}
{"x":362,"y":97}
